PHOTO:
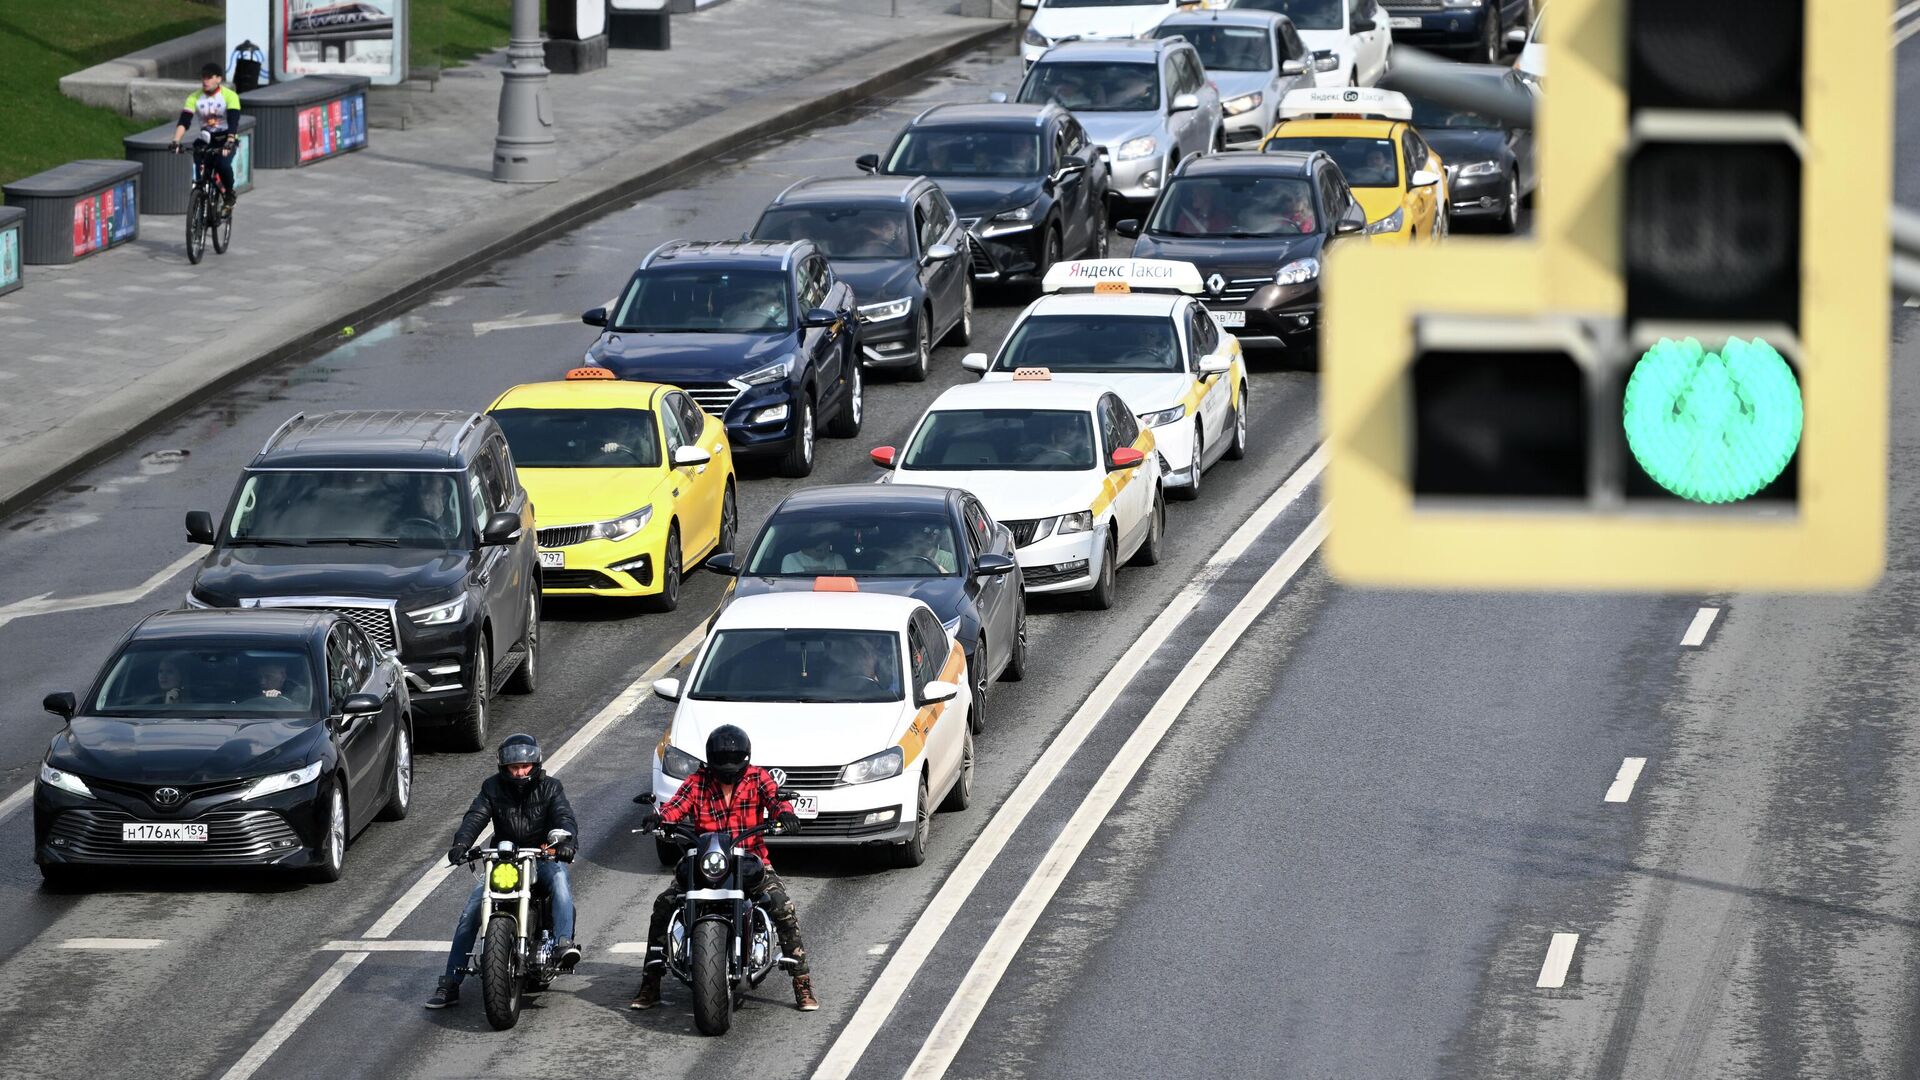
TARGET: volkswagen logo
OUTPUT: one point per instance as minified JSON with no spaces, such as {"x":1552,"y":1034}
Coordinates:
{"x":779,"y":777}
{"x":168,"y":796}
{"x":1215,"y":283}
{"x":1351,"y":95}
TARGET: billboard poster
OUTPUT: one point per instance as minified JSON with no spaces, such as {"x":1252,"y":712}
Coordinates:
{"x":9,"y":257}
{"x":88,"y":236}
{"x":119,"y":211}
{"x":342,"y":37}
{"x":332,"y":127}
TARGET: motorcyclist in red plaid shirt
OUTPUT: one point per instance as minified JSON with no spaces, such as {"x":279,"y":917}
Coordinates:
{"x":731,"y":794}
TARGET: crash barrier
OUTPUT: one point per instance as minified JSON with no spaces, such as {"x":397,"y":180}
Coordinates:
{"x":76,"y":209}
{"x":309,"y":119}
{"x":166,"y":179}
{"x":12,"y":221}
{"x":639,"y":24}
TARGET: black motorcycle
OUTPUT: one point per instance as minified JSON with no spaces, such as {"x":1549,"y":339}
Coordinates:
{"x":516,"y":953}
{"x":721,"y":942}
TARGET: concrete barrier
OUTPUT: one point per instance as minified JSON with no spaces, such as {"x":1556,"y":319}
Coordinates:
{"x":165,"y":74}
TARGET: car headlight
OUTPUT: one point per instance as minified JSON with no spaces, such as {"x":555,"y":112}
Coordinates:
{"x":778,"y":371}
{"x":1243,"y":103}
{"x":1135,"y":149}
{"x":678,"y":764}
{"x":65,"y":781}
{"x":1018,"y":213}
{"x":1074,"y":523}
{"x":1164,"y":416}
{"x":1326,"y":61}
{"x":881,"y":766}
{"x":621,"y":527}
{"x":1297,"y":272}
{"x":440,"y":614}
{"x":886,"y":310}
{"x":505,"y":877}
{"x":1480,"y":168}
{"x":1018,"y":219}
{"x":1035,"y":38}
{"x":1390,"y":223}
{"x":286,"y":781}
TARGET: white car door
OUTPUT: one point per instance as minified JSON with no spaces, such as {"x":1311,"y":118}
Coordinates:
{"x":1216,"y":402}
{"x":928,"y":651}
{"x":1372,"y":54}
{"x":1133,"y":498}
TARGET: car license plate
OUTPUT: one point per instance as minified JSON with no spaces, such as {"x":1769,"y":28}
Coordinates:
{"x":1404,"y":22}
{"x":806,"y":807}
{"x":1229,"y":318}
{"x":162,"y":832}
{"x":553,"y":560}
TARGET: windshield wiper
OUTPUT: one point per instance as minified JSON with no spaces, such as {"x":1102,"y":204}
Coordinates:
{"x":357,"y":541}
{"x":262,"y":541}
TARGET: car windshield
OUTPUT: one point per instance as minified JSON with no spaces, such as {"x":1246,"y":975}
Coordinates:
{"x":950,"y":152}
{"x":852,"y":232}
{"x":581,"y":438}
{"x":1364,"y":162}
{"x":1306,"y":14}
{"x":1432,"y":114}
{"x":1090,"y":86}
{"x":189,"y":681}
{"x":348,"y":506}
{"x":1092,"y":341}
{"x":1235,"y":206}
{"x":695,"y":300}
{"x":888,"y":544}
{"x":1226,"y":48}
{"x":1010,"y":440}
{"x":799,"y":664}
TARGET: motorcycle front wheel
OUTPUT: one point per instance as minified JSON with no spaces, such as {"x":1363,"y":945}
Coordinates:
{"x":712,"y":996}
{"x":500,"y":974}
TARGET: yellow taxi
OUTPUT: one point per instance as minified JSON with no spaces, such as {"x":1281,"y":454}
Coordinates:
{"x":635,"y":484}
{"x":1393,"y":173}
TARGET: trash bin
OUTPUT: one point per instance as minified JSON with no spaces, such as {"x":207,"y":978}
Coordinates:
{"x":12,"y":221}
{"x":76,"y":209}
{"x":167,"y":179}
{"x":305,"y":120}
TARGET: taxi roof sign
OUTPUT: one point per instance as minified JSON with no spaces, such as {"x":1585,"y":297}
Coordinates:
{"x":1362,"y":101}
{"x":589,"y":372}
{"x":1123,"y":275}
{"x":835,"y":584}
{"x":1032,"y":374}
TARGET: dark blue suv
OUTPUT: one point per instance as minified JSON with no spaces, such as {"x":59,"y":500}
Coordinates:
{"x":762,"y":335}
{"x":1475,"y":29}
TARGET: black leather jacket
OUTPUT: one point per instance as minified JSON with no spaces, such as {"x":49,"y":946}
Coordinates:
{"x":522,"y":817}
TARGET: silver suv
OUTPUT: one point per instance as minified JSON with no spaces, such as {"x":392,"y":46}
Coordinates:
{"x":1253,"y":58}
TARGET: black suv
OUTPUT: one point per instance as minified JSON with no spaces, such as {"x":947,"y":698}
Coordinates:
{"x":1257,"y":226}
{"x":413,"y":525}
{"x":762,"y":335}
{"x":1030,"y":187}
{"x":896,"y":241}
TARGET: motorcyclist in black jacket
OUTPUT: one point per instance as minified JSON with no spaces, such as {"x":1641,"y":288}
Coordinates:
{"x":524,"y":804}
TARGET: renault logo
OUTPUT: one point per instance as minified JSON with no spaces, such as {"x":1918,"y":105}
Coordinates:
{"x":779,"y":777}
{"x":1215,"y":283}
{"x":168,"y":796}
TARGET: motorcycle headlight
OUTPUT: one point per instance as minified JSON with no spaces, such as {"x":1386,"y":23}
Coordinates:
{"x":677,"y":763}
{"x":1074,"y":523}
{"x":1388,"y":224}
{"x":1481,"y":168}
{"x":778,"y":371}
{"x":1035,"y":38}
{"x":440,"y":614}
{"x":621,"y":527}
{"x":286,"y":781}
{"x":505,"y":877}
{"x":1164,"y":416}
{"x":885,"y":311}
{"x":65,"y":781}
{"x":881,"y":766}
{"x":1243,"y":103}
{"x":713,"y":865}
{"x":1135,"y":149}
{"x":1297,"y":272}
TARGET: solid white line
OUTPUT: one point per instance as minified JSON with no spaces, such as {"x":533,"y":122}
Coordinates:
{"x":1622,"y":787}
{"x":16,"y":800}
{"x":1906,"y":11}
{"x":626,"y":947}
{"x":522,"y":321}
{"x":284,"y":1027}
{"x":954,"y":893}
{"x":44,"y":603}
{"x":1906,"y":32}
{"x":1696,"y":634}
{"x":1553,"y":973}
{"x":361,"y":945}
{"x":957,"y":1020}
{"x":112,"y":943}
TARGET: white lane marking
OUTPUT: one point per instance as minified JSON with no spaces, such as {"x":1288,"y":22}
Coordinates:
{"x":45,"y":603}
{"x":1911,"y":301}
{"x":624,"y":948}
{"x":957,"y":1020}
{"x":907,"y":960}
{"x":402,"y":945}
{"x":519,"y":322}
{"x":1553,"y":972}
{"x":113,"y":943}
{"x":1906,"y":32}
{"x":16,"y":800}
{"x":1696,"y":634}
{"x":1906,"y":11}
{"x":284,"y":1027}
{"x":1622,"y":787}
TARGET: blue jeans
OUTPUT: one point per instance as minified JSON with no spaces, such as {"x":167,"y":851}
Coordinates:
{"x":559,"y":891}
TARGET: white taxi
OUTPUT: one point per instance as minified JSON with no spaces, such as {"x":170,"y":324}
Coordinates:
{"x":1064,"y":465}
{"x":857,"y":702}
{"x":1133,"y":326}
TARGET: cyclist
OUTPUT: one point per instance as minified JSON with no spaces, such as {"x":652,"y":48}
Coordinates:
{"x":217,"y":108}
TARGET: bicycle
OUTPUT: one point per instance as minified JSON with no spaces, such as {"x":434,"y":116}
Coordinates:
{"x":204,"y":213}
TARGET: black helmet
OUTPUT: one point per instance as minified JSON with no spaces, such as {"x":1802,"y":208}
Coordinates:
{"x":520,"y":749}
{"x":728,"y":749}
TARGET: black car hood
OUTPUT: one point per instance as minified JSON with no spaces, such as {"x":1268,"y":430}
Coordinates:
{"x":234,"y":574}
{"x":1248,"y":254}
{"x":874,"y":280}
{"x":184,"y":751}
{"x":688,"y":358}
{"x":981,"y":197}
{"x":942,"y":594}
{"x":1464,"y":146}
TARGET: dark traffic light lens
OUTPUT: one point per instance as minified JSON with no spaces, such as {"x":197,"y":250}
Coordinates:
{"x":1500,"y":424}
{"x":1713,"y":232}
{"x":1716,"y":54}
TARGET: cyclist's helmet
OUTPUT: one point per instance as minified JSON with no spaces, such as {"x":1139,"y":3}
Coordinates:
{"x":520,"y":749}
{"x":728,"y":749}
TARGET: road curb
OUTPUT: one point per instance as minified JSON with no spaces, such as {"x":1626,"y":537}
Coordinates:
{"x":38,"y":466}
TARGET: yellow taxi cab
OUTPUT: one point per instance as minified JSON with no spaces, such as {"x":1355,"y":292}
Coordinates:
{"x":1369,"y":133}
{"x":635,"y":484}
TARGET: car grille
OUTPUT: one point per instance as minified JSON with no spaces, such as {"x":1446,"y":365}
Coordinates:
{"x":1237,"y":290}
{"x":811,"y":777}
{"x":715,"y":400}
{"x":1023,"y":531}
{"x":189,"y":792}
{"x":565,"y":535}
{"x":845,"y":823}
{"x":233,"y":836}
{"x":982,"y":263}
{"x":576,"y":579}
{"x":1052,"y":575}
{"x":1397,"y":6}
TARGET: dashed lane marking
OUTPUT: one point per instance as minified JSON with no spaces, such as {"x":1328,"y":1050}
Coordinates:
{"x":1622,"y":787}
{"x":1696,"y":634}
{"x":112,"y":943}
{"x":290,"y":1021}
{"x":521,"y":322}
{"x":1553,"y":972}
{"x":391,"y":945}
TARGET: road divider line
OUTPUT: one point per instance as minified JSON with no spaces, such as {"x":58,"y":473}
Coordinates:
{"x":112,"y":943}
{"x":957,"y":1020}
{"x":912,"y":953}
{"x":626,"y":948}
{"x":1622,"y":787}
{"x":1906,"y":10}
{"x":1553,"y":971}
{"x":398,"y":945}
{"x":283,"y":1028}
{"x":521,"y":322}
{"x":1696,"y":634}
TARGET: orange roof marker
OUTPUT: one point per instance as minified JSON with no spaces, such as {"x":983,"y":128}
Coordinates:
{"x":581,"y":373}
{"x":835,"y":584}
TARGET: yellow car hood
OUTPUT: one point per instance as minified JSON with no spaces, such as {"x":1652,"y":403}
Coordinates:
{"x":578,"y":496}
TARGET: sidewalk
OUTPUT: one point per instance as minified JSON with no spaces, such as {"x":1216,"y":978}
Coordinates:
{"x":94,"y":352}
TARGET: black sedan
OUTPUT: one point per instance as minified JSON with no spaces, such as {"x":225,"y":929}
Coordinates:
{"x":252,"y":737}
{"x":1490,"y":165}
{"x":938,"y":545}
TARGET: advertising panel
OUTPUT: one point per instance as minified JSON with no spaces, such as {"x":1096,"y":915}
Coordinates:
{"x":243,"y":161}
{"x":105,"y":219}
{"x":332,"y":127}
{"x":9,"y":258}
{"x":342,"y":37}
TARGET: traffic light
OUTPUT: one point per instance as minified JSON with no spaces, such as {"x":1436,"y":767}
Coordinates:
{"x":1679,"y":380}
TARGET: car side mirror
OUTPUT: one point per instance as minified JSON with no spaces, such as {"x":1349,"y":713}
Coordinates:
{"x":1347,"y":226}
{"x":361,"y":704}
{"x":1363,"y":24}
{"x":998,"y":97}
{"x":941,"y":252}
{"x":1127,"y":227}
{"x":867,"y":163}
{"x":689,"y":456}
{"x":1425,"y":178}
{"x":974,"y":361}
{"x":1125,"y":458}
{"x":199,"y":527}
{"x":594,"y":316}
{"x":501,"y":529}
{"x":883,"y":456}
{"x":1293,"y":67}
{"x":724,"y":563}
{"x":1215,"y":363}
{"x":1516,"y":38}
{"x":937,"y":691}
{"x":821,"y":317}
{"x":666,"y":689}
{"x":993,"y":565}
{"x":645,"y":798}
{"x":62,"y":704}
{"x":1184,"y":103}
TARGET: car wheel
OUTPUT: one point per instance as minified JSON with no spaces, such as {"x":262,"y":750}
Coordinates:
{"x":1154,"y":546}
{"x":923,"y":352}
{"x":1100,"y":597}
{"x":1491,"y":48}
{"x":526,"y":678}
{"x":854,"y":410}
{"x":960,"y":796}
{"x":1192,"y":491}
{"x":402,"y":800}
{"x":1050,"y":253}
{"x":729,"y":521}
{"x":1510,"y":221}
{"x":470,"y":732}
{"x":1017,"y":663}
{"x":977,"y":675}
{"x":914,"y":851}
{"x":333,"y":838}
{"x":798,"y":461}
{"x":671,"y":570}
{"x":1237,"y":449}
{"x":962,"y":331}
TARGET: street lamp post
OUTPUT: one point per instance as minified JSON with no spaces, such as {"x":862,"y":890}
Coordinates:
{"x":524,"y":151}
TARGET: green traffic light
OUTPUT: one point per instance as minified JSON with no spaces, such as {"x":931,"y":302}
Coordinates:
{"x":1712,"y":427}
